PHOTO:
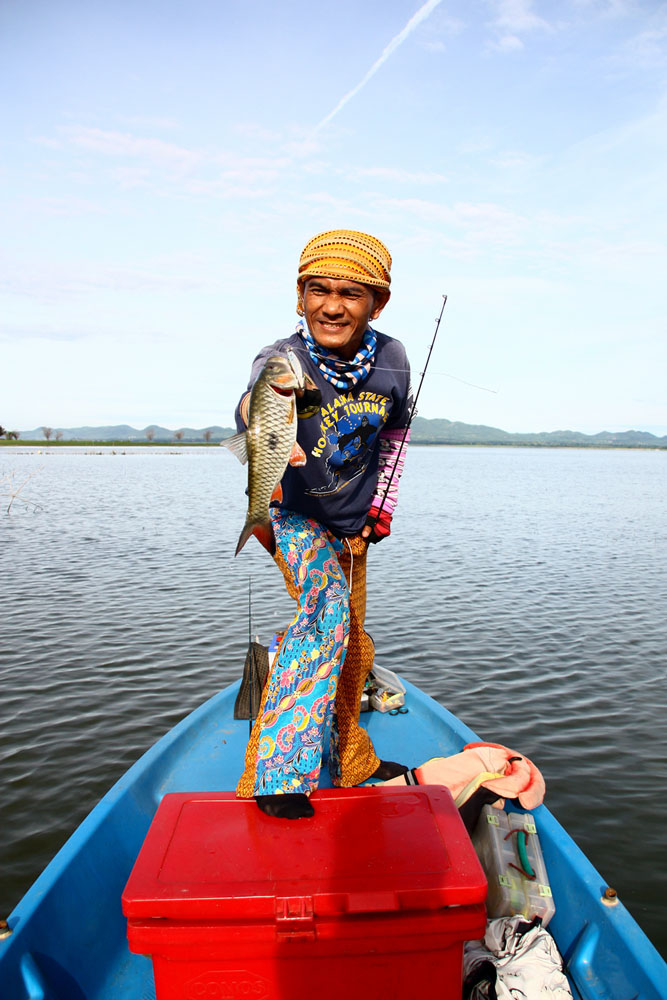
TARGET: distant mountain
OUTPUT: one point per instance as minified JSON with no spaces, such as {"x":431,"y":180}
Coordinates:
{"x":438,"y":431}
{"x":123,"y":432}
{"x":453,"y":432}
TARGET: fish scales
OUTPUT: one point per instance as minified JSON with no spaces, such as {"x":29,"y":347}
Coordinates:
{"x":268,"y":444}
{"x":271,"y":436}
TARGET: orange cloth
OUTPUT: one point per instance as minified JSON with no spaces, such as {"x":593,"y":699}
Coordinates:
{"x":357,"y":757}
{"x":519,"y":778}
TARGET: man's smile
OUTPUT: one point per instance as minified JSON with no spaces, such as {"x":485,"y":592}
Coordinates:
{"x":328,"y":325}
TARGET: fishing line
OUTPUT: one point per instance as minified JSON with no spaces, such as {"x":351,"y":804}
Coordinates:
{"x":380,"y":368}
{"x":351,"y":564}
{"x":251,"y":658}
{"x":473,"y":385}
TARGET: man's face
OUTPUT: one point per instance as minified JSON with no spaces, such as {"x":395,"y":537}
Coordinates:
{"x":338,"y":311}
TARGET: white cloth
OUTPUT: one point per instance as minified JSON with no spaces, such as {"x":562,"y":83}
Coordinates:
{"x":527,"y":963}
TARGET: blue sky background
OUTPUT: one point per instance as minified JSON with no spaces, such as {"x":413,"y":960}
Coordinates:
{"x":164,"y":162}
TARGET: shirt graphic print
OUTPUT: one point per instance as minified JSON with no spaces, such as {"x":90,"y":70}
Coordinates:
{"x":349,"y":428}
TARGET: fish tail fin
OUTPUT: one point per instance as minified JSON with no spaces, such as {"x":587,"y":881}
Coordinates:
{"x":263,"y":531}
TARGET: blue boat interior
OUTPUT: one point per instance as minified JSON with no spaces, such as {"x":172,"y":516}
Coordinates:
{"x":68,"y":935}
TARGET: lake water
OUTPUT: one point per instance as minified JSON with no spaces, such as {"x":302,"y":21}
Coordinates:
{"x":524,"y":589}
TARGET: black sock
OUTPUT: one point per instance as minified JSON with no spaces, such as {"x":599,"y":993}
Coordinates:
{"x":470,"y":810}
{"x":294,"y":806}
{"x":388,"y":769}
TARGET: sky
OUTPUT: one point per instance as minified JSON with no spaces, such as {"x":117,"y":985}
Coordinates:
{"x":163,"y":163}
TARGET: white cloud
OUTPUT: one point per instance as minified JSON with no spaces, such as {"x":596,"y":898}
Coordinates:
{"x":507,"y":43}
{"x":14,"y":333}
{"x":395,"y":174}
{"x":607,"y":8}
{"x":252,"y":130}
{"x":449,"y":26}
{"x":518,"y":16}
{"x":65,"y":206}
{"x":647,"y":48}
{"x":137,"y":161}
{"x":125,"y":144}
{"x":227,"y":188}
{"x":148,"y":121}
{"x":516,"y":160}
{"x":131,"y":177}
{"x":48,"y":282}
{"x":424,"y":11}
{"x":477,"y":217}
{"x":514,"y":18}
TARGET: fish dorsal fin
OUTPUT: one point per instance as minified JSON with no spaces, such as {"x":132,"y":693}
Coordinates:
{"x":238,"y":445}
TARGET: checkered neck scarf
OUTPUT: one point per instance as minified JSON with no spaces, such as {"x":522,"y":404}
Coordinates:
{"x":340,"y":372}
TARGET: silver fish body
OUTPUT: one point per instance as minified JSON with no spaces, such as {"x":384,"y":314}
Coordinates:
{"x":268,"y":444}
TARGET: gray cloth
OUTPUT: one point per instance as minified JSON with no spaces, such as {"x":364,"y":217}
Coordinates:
{"x":517,"y":960}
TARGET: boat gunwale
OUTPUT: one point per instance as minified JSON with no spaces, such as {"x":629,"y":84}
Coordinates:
{"x":148,"y":779}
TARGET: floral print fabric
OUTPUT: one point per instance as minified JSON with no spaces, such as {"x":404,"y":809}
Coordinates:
{"x":301,"y":689}
{"x":324,"y":657}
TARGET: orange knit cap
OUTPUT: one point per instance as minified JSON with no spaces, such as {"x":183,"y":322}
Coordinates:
{"x":345,"y":253}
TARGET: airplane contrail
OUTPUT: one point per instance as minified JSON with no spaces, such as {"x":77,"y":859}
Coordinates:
{"x":397,"y":40}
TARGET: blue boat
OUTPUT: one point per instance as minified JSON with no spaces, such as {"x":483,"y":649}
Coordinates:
{"x":67,"y":938}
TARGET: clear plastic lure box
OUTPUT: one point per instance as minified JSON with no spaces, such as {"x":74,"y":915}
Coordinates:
{"x":508,"y":848}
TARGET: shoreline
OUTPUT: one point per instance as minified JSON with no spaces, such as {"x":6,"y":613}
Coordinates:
{"x":580,"y":446}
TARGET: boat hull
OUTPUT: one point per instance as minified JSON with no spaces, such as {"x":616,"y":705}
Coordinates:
{"x":68,"y":934}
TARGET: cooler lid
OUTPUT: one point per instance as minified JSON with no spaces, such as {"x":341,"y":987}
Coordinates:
{"x":372,"y":849}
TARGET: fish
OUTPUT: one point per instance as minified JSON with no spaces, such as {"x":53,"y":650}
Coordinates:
{"x":269,"y":443}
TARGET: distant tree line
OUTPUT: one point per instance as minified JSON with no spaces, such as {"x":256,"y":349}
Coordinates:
{"x":10,"y":435}
{"x":178,"y":435}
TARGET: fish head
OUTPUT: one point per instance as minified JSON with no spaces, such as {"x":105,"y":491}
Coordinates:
{"x":279,"y":374}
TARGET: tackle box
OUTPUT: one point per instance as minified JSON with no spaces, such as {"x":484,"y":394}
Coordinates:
{"x":387,"y":691}
{"x":509,"y":849}
{"x":373,"y":896}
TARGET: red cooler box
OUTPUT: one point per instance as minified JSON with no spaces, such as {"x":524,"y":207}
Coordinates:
{"x":371,"y":897}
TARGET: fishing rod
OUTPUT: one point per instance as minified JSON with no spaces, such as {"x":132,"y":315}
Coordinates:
{"x":412,"y":411}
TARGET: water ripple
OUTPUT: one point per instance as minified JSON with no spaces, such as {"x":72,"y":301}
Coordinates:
{"x":524,"y":589}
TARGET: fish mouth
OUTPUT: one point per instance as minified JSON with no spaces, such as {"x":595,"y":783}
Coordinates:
{"x":281,"y":388}
{"x":285,"y":381}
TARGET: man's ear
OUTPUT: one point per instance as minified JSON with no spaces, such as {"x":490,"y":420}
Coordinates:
{"x":382,"y":296}
{"x":300,"y":285}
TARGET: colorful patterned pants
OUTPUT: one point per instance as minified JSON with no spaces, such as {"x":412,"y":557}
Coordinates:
{"x":324,"y":658}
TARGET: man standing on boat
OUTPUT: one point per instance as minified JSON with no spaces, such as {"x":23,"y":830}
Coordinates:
{"x":331,"y":509}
